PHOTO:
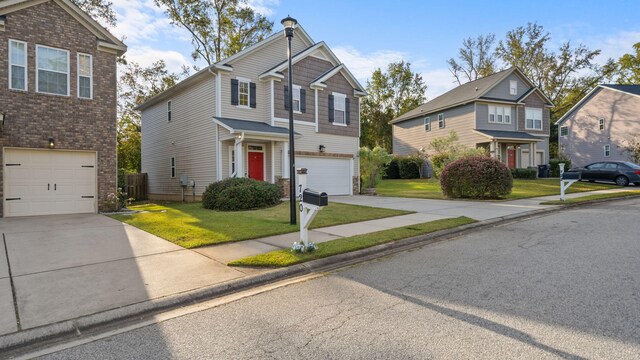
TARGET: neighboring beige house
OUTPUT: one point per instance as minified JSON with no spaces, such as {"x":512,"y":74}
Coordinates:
{"x":230,"y":119}
{"x":598,"y":126}
{"x":504,"y":113}
{"x":58,"y":105}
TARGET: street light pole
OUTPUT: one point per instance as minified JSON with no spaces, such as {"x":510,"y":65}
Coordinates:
{"x":289,"y":23}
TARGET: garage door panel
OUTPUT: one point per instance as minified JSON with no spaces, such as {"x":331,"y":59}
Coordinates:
{"x":49,"y":182}
{"x":330,"y":175}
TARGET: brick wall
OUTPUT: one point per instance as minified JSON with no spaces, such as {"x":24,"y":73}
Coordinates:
{"x":76,"y":124}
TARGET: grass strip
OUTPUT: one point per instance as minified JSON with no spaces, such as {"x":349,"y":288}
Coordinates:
{"x":285,"y":257}
{"x":592,"y":197}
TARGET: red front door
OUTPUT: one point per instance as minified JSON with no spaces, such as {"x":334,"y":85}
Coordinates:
{"x":256,"y":165}
{"x":511,"y":158}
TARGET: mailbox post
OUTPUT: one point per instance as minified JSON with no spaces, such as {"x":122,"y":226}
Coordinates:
{"x":310,"y":203}
{"x":567,"y":179}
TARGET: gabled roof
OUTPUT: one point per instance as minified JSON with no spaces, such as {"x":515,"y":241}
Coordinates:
{"x":464,"y":94}
{"x":629,"y":89}
{"x":106,"y":40}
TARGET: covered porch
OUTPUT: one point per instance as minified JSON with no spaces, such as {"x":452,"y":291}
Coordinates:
{"x":515,"y":149}
{"x":252,"y":149}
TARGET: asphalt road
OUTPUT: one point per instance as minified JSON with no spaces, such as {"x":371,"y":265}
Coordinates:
{"x":565,"y":285}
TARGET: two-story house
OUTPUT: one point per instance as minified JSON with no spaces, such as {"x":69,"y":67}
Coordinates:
{"x":600,"y":125}
{"x":57,"y":109}
{"x":231,"y":120}
{"x":503,"y":112}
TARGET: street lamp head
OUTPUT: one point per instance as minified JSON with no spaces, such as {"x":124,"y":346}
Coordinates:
{"x":289,"y":24}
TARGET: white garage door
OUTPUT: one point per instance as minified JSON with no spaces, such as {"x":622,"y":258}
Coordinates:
{"x":330,"y":175}
{"x":44,"y":182}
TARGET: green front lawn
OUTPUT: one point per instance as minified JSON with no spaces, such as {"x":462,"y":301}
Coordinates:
{"x":286,"y":257}
{"x":190,"y":225}
{"x":430,"y":188}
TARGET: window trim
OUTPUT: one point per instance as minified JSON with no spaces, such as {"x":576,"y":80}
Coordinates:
{"x":26,"y":64}
{"x":607,"y":150}
{"x":441,"y":123}
{"x":296,"y":89}
{"x":566,"y":128}
{"x":172,"y":166}
{"x":601,"y":123}
{"x":248,"y":82}
{"x":169,"y":111}
{"x":343,"y":98}
{"x":504,"y":112}
{"x":427,"y":123}
{"x":513,"y":90}
{"x":90,"y":76}
{"x":526,"y":126}
{"x":68,"y":71}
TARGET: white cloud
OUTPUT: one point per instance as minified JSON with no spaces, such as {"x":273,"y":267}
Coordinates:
{"x":438,"y":82}
{"x":141,"y":21}
{"x":146,"y":55}
{"x":614,"y":46}
{"x":263,"y":7}
{"x":362,"y":65}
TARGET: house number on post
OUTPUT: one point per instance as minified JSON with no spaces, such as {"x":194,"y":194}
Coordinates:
{"x":310,"y":203}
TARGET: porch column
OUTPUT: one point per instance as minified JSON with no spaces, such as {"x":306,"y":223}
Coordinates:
{"x":493,"y":151}
{"x":285,"y":160}
{"x":239,"y":155}
{"x":533,"y":154}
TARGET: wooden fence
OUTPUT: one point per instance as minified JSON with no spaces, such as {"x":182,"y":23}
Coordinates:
{"x":136,"y":186}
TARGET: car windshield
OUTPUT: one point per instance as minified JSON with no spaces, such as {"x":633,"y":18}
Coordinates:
{"x":631,"y":165}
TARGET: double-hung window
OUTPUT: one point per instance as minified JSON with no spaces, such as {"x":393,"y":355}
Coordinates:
{"x":601,"y":123}
{"x":500,"y":114}
{"x":339,"y":109}
{"x":427,"y":124}
{"x":296,"y":98}
{"x":564,"y":130}
{"x":441,"y":121}
{"x":169,"y":110}
{"x":513,"y":87}
{"x":17,"y":65}
{"x":52,"y":73}
{"x":85,"y":76}
{"x":243,"y":93}
{"x":533,"y":119}
{"x":173,"y":167}
{"x":607,"y":150}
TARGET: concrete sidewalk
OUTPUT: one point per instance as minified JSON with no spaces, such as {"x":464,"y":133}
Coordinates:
{"x":58,"y":271}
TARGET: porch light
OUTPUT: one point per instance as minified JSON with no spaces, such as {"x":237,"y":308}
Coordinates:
{"x":321,"y":148}
{"x":289,"y":23}
{"x":52,"y":143}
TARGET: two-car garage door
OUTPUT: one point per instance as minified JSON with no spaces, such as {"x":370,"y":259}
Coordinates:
{"x":330,"y":175}
{"x":44,"y":182}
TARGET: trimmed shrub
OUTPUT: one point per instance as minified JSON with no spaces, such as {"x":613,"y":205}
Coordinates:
{"x":554,"y":170}
{"x":409,"y":167}
{"x":253,"y":195}
{"x":477,"y":177}
{"x":372,"y":165}
{"x":524,"y":173}
{"x":393,"y":170}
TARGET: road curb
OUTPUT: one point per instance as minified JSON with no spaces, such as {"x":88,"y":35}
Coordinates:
{"x":82,"y":324}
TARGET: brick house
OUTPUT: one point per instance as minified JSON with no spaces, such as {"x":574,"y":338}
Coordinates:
{"x":57,"y":109}
{"x":231,"y":120}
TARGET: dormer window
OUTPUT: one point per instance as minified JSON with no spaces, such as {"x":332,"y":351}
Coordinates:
{"x":513,"y":87}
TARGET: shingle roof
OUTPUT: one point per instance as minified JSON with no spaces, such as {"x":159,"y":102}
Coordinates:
{"x":631,"y":89}
{"x":458,"y":96}
{"x":501,"y":134}
{"x":251,"y":126}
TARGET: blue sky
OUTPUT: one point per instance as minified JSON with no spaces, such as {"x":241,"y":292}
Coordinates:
{"x":369,"y":34}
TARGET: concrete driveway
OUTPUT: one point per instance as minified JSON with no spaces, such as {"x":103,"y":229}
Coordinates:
{"x":55,"y":268}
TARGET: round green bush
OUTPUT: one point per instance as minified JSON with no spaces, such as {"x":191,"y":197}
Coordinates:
{"x":409,"y":167}
{"x":392,"y":171}
{"x":240,"y":194}
{"x":477,"y":177}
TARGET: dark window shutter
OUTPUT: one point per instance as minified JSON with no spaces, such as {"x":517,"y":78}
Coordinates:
{"x":234,"y":92}
{"x":303,"y":100}
{"x":331,"y":109}
{"x":347,"y":113}
{"x":286,"y":98}
{"x":252,"y":95}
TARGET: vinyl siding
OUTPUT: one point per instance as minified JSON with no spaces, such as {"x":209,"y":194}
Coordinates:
{"x":585,"y":141}
{"x":501,"y":90}
{"x":189,"y":137}
{"x":409,"y":136}
{"x":250,"y":67}
{"x":534,"y":101}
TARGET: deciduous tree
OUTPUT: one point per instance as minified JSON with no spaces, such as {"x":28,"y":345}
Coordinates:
{"x":101,"y":10}
{"x":629,"y":67}
{"x":476,"y":59}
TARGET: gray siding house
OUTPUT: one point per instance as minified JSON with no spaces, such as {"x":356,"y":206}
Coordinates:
{"x":231,"y":120}
{"x":598,"y":126}
{"x":504,"y":113}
